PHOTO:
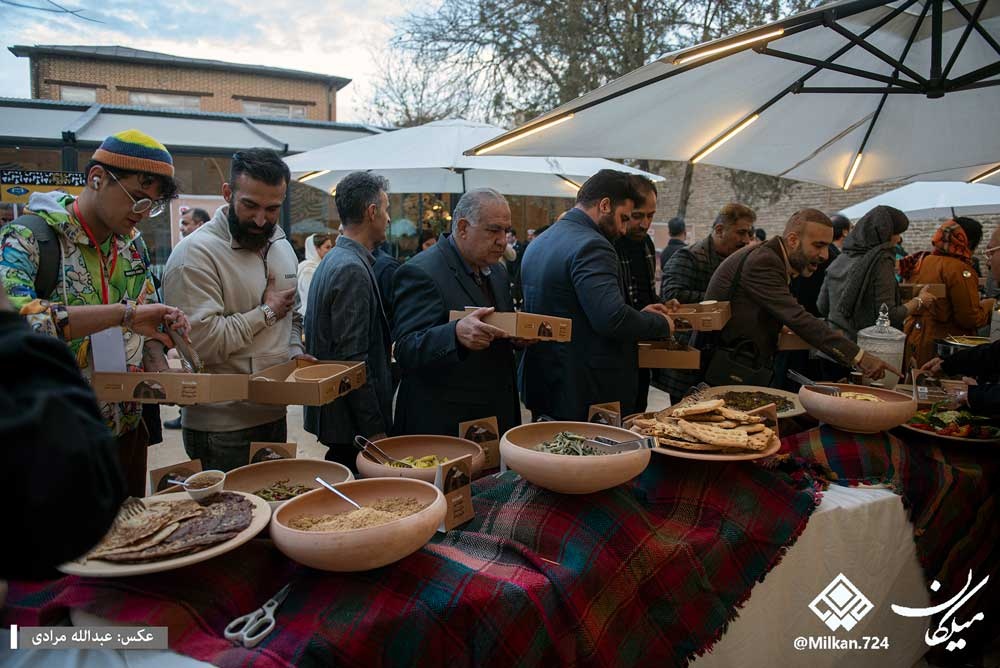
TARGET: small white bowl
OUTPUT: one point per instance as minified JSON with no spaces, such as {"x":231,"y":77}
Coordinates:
{"x":198,"y":494}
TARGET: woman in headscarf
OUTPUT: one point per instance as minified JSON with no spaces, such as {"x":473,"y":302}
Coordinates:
{"x":960,"y":313}
{"x":863,"y":277}
{"x":316,"y":247}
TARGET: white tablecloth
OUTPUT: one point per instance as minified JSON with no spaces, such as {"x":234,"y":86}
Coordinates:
{"x":860,"y":532}
{"x":863,"y":533}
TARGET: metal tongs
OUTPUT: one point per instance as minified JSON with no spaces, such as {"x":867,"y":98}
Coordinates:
{"x":813,"y":385}
{"x":190,"y":361}
{"x":613,"y":447}
{"x":373,"y":453}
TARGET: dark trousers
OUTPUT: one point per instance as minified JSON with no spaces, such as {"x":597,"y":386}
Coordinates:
{"x":132,"y":446}
{"x":343,"y":453}
{"x":227,"y":450}
{"x":642,"y":393}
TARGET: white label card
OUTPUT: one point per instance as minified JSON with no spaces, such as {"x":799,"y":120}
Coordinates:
{"x":108,"y":348}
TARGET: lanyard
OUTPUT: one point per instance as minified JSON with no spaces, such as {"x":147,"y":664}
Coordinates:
{"x":106,"y":273}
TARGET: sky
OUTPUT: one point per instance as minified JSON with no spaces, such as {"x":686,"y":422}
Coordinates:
{"x":335,"y":37}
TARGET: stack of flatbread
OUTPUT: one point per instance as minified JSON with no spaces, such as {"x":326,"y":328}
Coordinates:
{"x":168,"y":529}
{"x":707,"y":426}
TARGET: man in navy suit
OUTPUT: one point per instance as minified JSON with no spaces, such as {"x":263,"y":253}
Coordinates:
{"x":461,"y":370}
{"x":572,"y":271}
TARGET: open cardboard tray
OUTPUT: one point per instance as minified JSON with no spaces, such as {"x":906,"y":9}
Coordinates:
{"x":277,"y":390}
{"x":791,"y":341}
{"x":170,"y":387}
{"x":654,"y":355}
{"x":524,"y":325}
{"x":702,"y":317}
{"x":97,"y":568}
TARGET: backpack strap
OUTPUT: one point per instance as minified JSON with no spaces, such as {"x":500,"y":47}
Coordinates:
{"x":49,"y":254}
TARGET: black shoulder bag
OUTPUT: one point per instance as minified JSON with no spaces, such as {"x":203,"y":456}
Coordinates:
{"x":738,"y":363}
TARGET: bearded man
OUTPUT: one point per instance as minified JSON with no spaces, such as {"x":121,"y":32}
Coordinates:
{"x":572,"y":271}
{"x":755,"y":280}
{"x":237,"y":280}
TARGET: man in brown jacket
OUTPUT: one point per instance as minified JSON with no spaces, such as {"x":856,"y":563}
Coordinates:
{"x":762,"y":302}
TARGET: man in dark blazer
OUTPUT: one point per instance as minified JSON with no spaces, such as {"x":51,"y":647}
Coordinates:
{"x":461,"y":370}
{"x":571,"y":271}
{"x":762,"y":302}
{"x":347,"y":320}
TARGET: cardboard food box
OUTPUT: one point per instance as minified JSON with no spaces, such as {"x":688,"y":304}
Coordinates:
{"x":524,"y":325}
{"x":908,"y":291}
{"x":169,"y":387}
{"x":277,"y":389}
{"x":658,"y":355}
{"x":792,"y":341}
{"x":704,"y":317}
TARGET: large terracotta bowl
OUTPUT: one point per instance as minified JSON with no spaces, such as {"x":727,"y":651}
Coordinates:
{"x":297,"y":471}
{"x":862,"y":417}
{"x":417,"y":446}
{"x":570,"y":474}
{"x":358,"y":549}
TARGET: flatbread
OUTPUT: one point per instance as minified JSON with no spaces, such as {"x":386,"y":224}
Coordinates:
{"x":760,"y":441}
{"x":155,"y":539}
{"x":729,"y":438}
{"x":157,"y":515}
{"x":751,"y":428}
{"x":688,"y":445}
{"x":705,"y":417}
{"x":698,"y":408}
{"x":225,"y":515}
{"x":739,"y":416}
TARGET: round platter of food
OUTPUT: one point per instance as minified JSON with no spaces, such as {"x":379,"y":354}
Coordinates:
{"x":173,"y":531}
{"x":708,"y":430}
{"x":960,"y":426}
{"x":751,"y":397}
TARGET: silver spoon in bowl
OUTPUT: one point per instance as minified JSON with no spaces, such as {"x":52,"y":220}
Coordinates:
{"x":338,"y":492}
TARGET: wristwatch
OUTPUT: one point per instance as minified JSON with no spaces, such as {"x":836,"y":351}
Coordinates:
{"x":270,"y":317}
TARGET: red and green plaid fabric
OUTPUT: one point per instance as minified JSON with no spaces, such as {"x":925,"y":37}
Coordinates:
{"x":647,"y":574}
{"x":950,"y":490}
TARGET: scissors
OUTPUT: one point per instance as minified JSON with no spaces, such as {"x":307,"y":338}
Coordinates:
{"x":251,"y":628}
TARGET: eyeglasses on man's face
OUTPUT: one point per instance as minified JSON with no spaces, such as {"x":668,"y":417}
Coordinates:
{"x":154,"y":207}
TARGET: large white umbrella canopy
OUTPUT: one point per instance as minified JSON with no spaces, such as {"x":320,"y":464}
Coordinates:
{"x":429,"y":159}
{"x":910,"y":85}
{"x":926,"y":200}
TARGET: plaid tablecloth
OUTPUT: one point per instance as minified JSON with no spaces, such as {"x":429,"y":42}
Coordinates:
{"x":649,"y":573}
{"x":951,"y":492}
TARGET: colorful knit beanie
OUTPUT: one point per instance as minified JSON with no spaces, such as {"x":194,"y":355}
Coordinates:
{"x":135,"y":151}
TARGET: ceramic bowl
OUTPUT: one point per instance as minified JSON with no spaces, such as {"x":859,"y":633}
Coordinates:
{"x":417,"y":446}
{"x":862,"y":417}
{"x":315,"y":373}
{"x":358,"y":549}
{"x":252,"y":477}
{"x":570,"y":474}
{"x":199,"y":493}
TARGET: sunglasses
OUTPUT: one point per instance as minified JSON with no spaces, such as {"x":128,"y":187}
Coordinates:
{"x":154,"y":207}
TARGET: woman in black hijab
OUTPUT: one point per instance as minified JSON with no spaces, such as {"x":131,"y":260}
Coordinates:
{"x":863,"y":276}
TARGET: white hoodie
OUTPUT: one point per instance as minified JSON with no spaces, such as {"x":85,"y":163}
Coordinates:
{"x":306,"y":270}
{"x":218,"y":285}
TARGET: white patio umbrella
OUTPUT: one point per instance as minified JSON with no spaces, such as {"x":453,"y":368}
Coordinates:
{"x":429,"y":159}
{"x":852,"y":91}
{"x":927,"y":200}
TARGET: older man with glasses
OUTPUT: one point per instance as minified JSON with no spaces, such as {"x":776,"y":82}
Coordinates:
{"x":76,"y":267}
{"x":466,"y":367}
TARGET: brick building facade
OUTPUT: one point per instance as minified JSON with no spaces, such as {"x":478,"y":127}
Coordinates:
{"x":131,"y":77}
{"x":712,"y":187}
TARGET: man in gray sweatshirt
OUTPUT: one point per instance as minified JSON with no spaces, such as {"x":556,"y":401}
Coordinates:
{"x":237,"y":279}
